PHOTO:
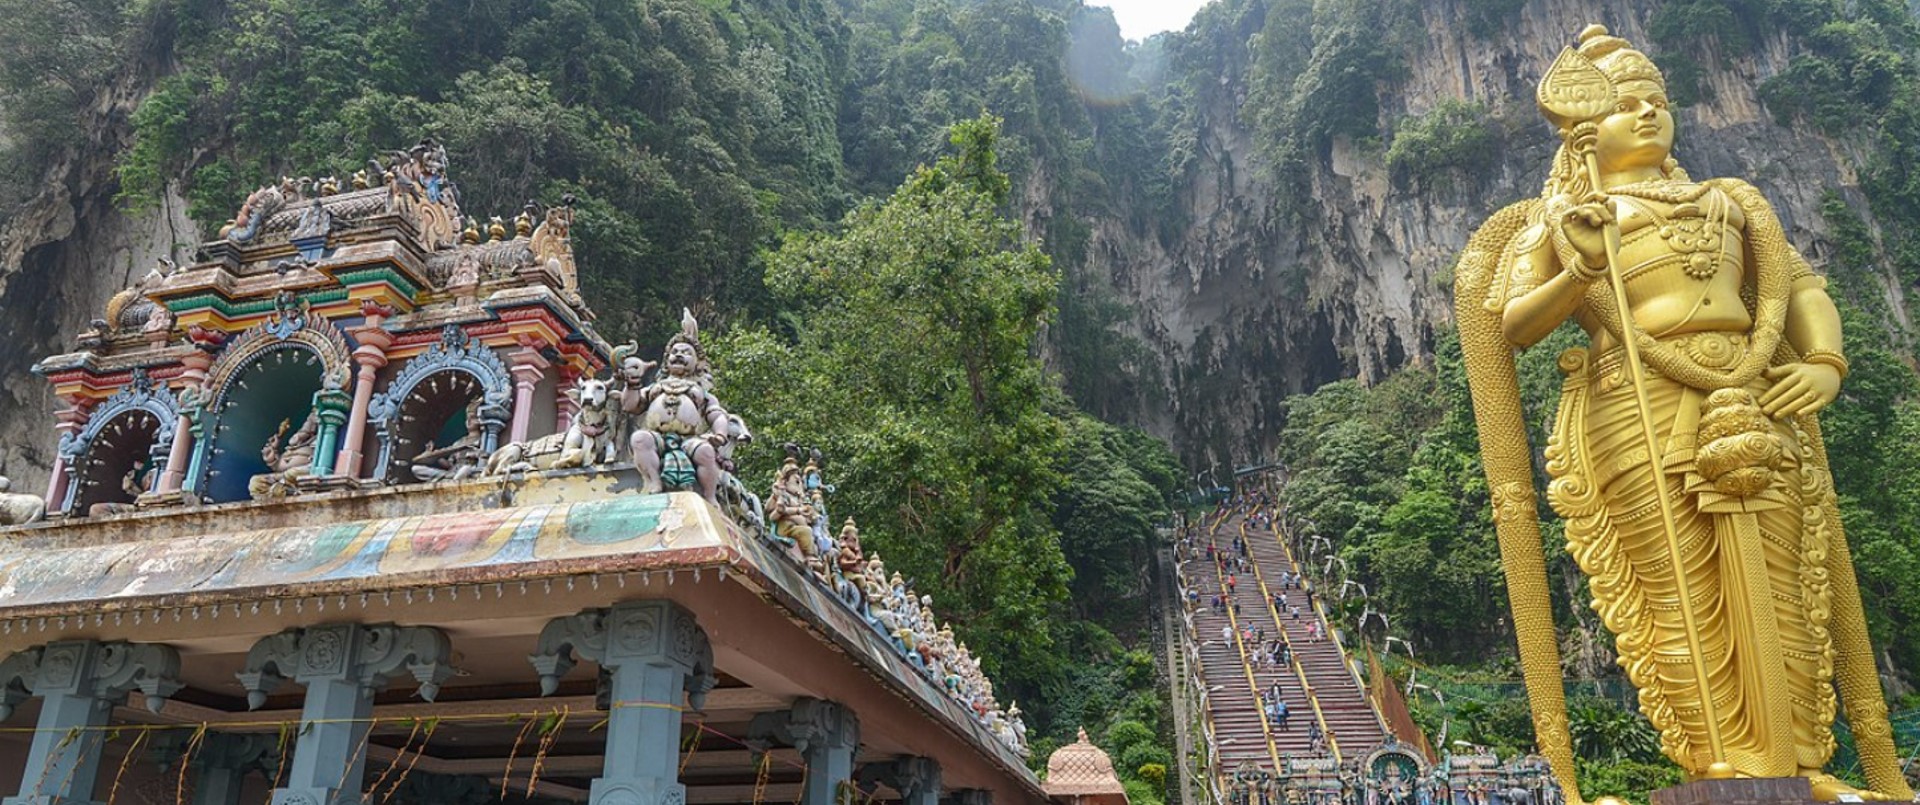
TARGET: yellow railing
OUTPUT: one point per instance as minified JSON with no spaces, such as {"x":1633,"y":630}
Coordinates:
{"x":1215,"y":772}
{"x":1293,"y":660}
{"x":1266,"y":729}
{"x":1320,"y":608}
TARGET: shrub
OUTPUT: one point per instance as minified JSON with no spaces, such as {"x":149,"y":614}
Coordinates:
{"x":1454,"y":136}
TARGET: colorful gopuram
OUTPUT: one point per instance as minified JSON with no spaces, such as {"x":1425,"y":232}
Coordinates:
{"x":360,"y":508}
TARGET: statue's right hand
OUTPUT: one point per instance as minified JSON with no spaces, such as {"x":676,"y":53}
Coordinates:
{"x":1584,"y":226}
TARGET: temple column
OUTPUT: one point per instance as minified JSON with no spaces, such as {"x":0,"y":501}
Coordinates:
{"x":70,"y":421}
{"x":527,"y":366}
{"x":185,"y":430}
{"x":657,"y":655}
{"x":330,"y":405}
{"x":370,"y":357}
{"x":79,"y":683}
{"x":828,"y":734}
{"x":564,"y":406}
{"x":916,"y":778}
{"x":971,"y":796}
{"x":342,"y":666}
{"x":221,"y":762}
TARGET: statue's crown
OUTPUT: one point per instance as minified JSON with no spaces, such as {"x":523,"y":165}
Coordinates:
{"x":1617,"y":58}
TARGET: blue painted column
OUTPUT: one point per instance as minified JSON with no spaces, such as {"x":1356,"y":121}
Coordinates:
{"x":79,"y":683}
{"x":657,"y":655}
{"x":827,"y":735}
{"x":342,"y":666}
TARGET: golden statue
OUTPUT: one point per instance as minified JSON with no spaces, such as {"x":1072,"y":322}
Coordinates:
{"x":1686,"y":457}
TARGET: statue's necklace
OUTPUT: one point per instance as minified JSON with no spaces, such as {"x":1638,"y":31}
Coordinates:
{"x":1697,"y":236}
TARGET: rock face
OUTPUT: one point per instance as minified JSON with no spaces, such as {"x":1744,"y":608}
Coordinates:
{"x":62,"y":254}
{"x":1255,"y":304}
{"x":1248,"y":287}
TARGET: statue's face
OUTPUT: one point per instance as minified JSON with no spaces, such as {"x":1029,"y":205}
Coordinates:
{"x":1638,"y":133}
{"x":633,"y":370}
{"x":681,"y":359}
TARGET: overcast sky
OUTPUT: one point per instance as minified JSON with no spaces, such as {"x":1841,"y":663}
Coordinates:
{"x":1140,"y":19}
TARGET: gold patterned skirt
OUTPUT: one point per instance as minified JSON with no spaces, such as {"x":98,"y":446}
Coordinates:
{"x":1749,"y":539}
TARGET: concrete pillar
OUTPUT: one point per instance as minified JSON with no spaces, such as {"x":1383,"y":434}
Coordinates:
{"x":69,"y":423}
{"x":827,"y":735}
{"x":370,"y":357}
{"x":342,"y":666}
{"x":79,"y":683}
{"x":221,"y":762}
{"x":656,"y":653}
{"x":527,"y":366}
{"x":185,"y":434}
{"x":971,"y":796}
{"x":916,"y":778}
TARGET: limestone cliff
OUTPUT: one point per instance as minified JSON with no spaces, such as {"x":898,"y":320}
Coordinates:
{"x":63,"y":251}
{"x":1271,"y":289}
{"x":1252,"y":268}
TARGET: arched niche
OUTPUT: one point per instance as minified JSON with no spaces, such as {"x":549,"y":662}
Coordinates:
{"x":130,"y":432}
{"x":268,"y":375}
{"x":458,"y":389}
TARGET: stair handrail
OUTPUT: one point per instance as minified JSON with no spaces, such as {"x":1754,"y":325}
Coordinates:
{"x":1204,"y":706}
{"x":1253,"y":687}
{"x":1319,"y":603}
{"x":1293,"y":659}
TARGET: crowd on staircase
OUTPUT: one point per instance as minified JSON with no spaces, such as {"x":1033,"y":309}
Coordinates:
{"x":1277,"y":686}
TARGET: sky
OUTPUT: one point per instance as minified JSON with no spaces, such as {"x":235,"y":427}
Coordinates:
{"x":1140,"y":19}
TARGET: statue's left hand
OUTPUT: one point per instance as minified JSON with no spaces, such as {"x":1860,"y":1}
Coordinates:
{"x":1800,"y":388}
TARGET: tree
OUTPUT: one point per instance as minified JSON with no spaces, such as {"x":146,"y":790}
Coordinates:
{"x":913,"y":367}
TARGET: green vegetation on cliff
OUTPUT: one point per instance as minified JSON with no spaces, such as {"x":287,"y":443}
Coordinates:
{"x":911,"y":362}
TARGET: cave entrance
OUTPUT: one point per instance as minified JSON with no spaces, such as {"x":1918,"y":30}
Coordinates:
{"x":119,"y":465}
{"x":276,"y":387}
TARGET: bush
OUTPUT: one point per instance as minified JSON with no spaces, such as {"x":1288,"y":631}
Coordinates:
{"x":1453,"y":137}
{"x":1125,"y":735}
{"x":1631,"y":780}
{"x":1154,"y":774}
{"x":1140,"y":756}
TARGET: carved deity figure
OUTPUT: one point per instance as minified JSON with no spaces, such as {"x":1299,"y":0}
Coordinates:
{"x":1686,"y":457}
{"x":289,"y":457}
{"x":458,"y":460}
{"x":681,"y":423}
{"x":790,"y":511}
{"x":849,"y":558}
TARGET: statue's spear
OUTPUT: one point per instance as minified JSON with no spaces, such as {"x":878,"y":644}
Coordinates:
{"x":1575,"y":92}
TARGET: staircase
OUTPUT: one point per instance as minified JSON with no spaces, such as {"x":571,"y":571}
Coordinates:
{"x":1318,"y":686}
{"x":1341,"y":704}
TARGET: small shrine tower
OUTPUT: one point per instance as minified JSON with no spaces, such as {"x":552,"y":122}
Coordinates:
{"x":1082,"y":774}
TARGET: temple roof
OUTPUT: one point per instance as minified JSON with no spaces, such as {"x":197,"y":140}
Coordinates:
{"x":1081,"y":769}
{"x":466,"y":540}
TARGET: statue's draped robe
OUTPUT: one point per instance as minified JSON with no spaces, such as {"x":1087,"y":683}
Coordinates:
{"x":1757,"y":564}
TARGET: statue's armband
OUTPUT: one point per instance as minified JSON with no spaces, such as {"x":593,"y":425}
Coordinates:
{"x":1527,"y":263}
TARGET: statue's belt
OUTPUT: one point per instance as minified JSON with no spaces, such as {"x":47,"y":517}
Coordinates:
{"x":1717,"y":351}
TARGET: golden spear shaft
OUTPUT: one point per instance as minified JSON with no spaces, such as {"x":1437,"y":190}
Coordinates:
{"x":1585,"y":142}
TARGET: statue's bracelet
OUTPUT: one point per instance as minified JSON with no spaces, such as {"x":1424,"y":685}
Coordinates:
{"x":1826,"y":357}
{"x":1581,"y":271}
